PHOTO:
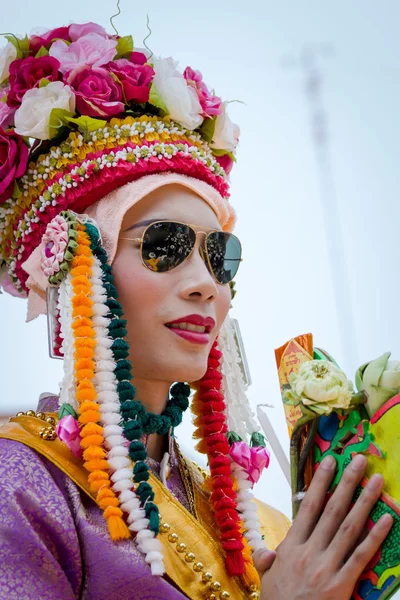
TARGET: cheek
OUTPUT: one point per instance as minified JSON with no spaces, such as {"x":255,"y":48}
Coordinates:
{"x":223,"y":304}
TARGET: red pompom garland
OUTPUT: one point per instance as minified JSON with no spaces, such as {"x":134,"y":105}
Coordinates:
{"x":212,"y":429}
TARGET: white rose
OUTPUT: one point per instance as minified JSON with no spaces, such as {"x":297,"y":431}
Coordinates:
{"x":180,"y":99}
{"x":7,"y":55}
{"x":33,"y":116}
{"x":226,"y":135}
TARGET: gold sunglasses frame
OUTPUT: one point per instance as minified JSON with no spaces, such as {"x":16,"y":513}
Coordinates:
{"x":202,"y":249}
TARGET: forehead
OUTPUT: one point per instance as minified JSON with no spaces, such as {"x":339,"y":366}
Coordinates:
{"x":172,"y":202}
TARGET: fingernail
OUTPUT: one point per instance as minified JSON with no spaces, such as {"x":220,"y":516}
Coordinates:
{"x":328,"y":463}
{"x":358,"y":462}
{"x":375,"y":482}
{"x":385,"y":521}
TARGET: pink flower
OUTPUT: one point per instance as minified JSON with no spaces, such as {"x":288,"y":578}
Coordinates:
{"x":210,"y":104}
{"x":92,"y":49}
{"x":67,"y":430}
{"x":26,"y":73}
{"x":77,"y":31}
{"x":6,"y":112}
{"x":8,"y":286}
{"x":97,"y":94}
{"x":135,"y":79}
{"x":37,"y":41}
{"x":226,"y":162}
{"x":55,"y":241}
{"x":138,"y":58}
{"x":13,"y":161}
{"x":252,"y":460}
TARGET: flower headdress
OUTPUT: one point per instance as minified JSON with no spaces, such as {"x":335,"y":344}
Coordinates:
{"x":82,"y":113}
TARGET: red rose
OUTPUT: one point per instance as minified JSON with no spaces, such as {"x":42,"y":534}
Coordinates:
{"x":37,"y":41}
{"x":26,"y":73}
{"x":135,"y":78}
{"x":97,"y":94}
{"x":13,"y":161}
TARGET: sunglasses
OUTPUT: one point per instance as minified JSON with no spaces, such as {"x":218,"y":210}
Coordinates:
{"x":167,"y":244}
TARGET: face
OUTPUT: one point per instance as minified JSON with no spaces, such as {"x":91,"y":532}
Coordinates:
{"x":153,"y":302}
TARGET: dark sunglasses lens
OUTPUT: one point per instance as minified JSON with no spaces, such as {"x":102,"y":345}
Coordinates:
{"x":224,"y":251}
{"x":166,"y":245}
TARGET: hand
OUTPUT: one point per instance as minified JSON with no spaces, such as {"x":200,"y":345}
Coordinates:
{"x":323,"y":555}
{"x":263,"y":560}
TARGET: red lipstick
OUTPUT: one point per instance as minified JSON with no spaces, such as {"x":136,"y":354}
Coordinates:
{"x":193,"y":328}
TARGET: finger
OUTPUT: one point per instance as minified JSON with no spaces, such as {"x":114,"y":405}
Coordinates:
{"x":338,"y":505}
{"x":263,"y":560}
{"x":313,"y":502}
{"x":366,"y":550}
{"x":353,"y":525}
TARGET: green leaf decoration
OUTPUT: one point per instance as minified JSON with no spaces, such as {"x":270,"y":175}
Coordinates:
{"x":124,"y":46}
{"x":58,"y":119}
{"x":207,"y":129}
{"x":16,"y":191}
{"x":22,"y":46}
{"x":217,"y":152}
{"x":43,"y":82}
{"x":65,"y":410}
{"x":41,"y":52}
{"x":87,"y":124}
{"x":156,"y":101}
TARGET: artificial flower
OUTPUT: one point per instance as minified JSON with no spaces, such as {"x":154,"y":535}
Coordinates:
{"x":90,"y":50}
{"x":45,"y":39}
{"x":135,"y":79}
{"x":8,"y":286}
{"x":226,"y":162}
{"x":379,"y":380}
{"x":32,"y":119}
{"x":54,"y":244}
{"x":320,"y":386}
{"x":7,"y":56}
{"x":180,"y":98}
{"x":68,"y":431}
{"x":210,"y":104}
{"x":138,"y":58}
{"x":6,"y":112}
{"x":77,"y":31}
{"x":226,"y":134}
{"x":253,"y":460}
{"x":13,"y":161}
{"x":26,"y":73}
{"x":97,"y":93}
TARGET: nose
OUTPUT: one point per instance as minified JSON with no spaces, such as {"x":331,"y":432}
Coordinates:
{"x":197,"y":283}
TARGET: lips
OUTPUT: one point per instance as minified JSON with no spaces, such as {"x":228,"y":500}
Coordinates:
{"x":193,"y":328}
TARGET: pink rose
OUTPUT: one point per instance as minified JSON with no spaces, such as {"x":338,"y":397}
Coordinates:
{"x":26,"y":73}
{"x":6,"y":112}
{"x":97,"y":94}
{"x":13,"y":161}
{"x":226,"y":162}
{"x":138,"y":58}
{"x":135,"y":79}
{"x":8,"y":286}
{"x":37,"y":41}
{"x":67,"y":430}
{"x":210,"y":104}
{"x":77,"y":31}
{"x":91,"y":49}
{"x":55,"y":241}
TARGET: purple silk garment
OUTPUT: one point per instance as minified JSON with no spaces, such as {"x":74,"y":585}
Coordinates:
{"x":54,"y":543}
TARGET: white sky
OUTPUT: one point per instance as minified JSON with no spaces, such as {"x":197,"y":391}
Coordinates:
{"x":285,"y":284}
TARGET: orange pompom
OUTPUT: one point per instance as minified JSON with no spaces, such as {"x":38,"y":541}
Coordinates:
{"x":80,"y":270}
{"x":90,"y":416}
{"x":81,"y":300}
{"x":105,"y":494}
{"x":84,"y":374}
{"x":94,"y":453}
{"x":82,"y":261}
{"x":96,"y":486}
{"x":88,"y":405}
{"x":84,"y":353}
{"x":113,"y":511}
{"x":117,"y":527}
{"x":85,"y":343}
{"x":92,"y":440}
{"x":108,"y":502}
{"x":81,"y":322}
{"x":85,"y":363}
{"x":98,"y":476}
{"x":84,"y":332}
{"x":82,"y":311}
{"x":91,"y":429}
{"x":85,"y":385}
{"x":96,"y":465}
{"x":86,"y":394}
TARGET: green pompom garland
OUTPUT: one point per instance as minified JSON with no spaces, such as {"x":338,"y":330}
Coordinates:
{"x":136,"y":420}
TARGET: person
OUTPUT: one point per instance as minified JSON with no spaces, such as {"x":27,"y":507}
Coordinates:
{"x":116,"y":222}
